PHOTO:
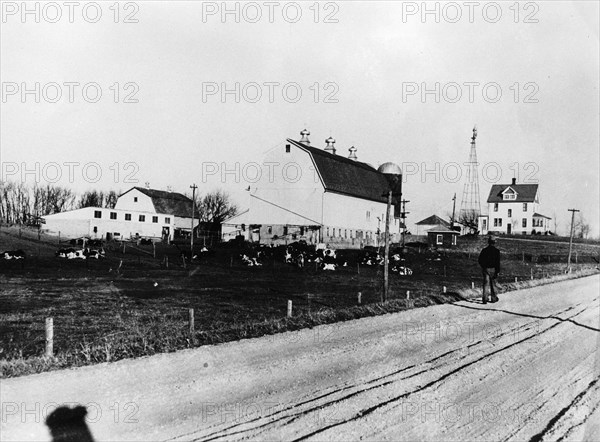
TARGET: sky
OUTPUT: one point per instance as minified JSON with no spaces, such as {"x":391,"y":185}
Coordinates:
{"x":111,"y":95}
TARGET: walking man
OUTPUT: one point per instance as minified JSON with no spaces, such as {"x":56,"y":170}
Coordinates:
{"x":489,"y":260}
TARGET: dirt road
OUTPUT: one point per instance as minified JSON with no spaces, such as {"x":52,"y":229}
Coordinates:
{"x":525,"y":368}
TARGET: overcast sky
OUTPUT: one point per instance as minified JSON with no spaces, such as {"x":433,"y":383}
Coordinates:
{"x":361,"y":68}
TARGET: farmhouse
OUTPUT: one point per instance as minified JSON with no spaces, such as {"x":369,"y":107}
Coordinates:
{"x":314,"y":194}
{"x":139,"y":212}
{"x":513,"y":209}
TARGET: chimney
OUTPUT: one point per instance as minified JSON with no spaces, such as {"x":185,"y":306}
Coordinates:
{"x":147,"y":185}
{"x":330,"y":145}
{"x":304,"y":140}
{"x":169,"y":189}
{"x":514,"y":181}
{"x":352,"y":155}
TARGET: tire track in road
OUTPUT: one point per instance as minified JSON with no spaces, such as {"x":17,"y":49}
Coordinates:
{"x":283,"y":417}
{"x":380,"y":405}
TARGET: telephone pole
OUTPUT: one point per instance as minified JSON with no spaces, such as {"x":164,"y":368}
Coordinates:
{"x":571,"y":238}
{"x":403,"y":214}
{"x":193,"y":187}
{"x":453,"y":211}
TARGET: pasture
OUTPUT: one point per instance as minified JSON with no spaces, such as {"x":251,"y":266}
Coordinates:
{"x":137,"y":303}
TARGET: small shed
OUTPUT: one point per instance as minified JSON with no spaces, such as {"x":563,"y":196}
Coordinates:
{"x":442,"y":236}
{"x":430,"y":222}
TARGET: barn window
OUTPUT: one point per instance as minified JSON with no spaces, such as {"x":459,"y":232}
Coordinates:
{"x":167,"y":220}
{"x":97,"y":214}
{"x":135,"y":199}
{"x":285,"y":230}
{"x":113,"y":215}
{"x":142,"y":218}
{"x":155,"y":219}
{"x":287,"y":148}
{"x":524,"y":207}
{"x":439,"y":239}
{"x":269,"y":229}
{"x":301,"y":231}
{"x":524,"y":222}
{"x":128,"y":217}
{"x":345,"y":233}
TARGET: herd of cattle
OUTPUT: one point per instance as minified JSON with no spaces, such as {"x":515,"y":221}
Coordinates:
{"x":298,"y":254}
{"x":301,"y":254}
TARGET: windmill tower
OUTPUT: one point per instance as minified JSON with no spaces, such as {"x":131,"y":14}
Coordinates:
{"x":470,"y":206}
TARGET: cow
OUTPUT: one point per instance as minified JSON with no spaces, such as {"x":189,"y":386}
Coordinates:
{"x":94,"y":253}
{"x":402,"y":270}
{"x":329,"y":266}
{"x":13,"y":254}
{"x":250,"y":262}
{"x":71,"y":253}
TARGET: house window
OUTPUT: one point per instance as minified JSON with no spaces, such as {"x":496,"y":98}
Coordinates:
{"x":524,"y":222}
{"x":301,"y":231}
{"x":167,"y":220}
{"x":155,"y":219}
{"x":439,"y":239}
{"x":113,"y":215}
{"x":97,"y":214}
{"x":510,"y":196}
{"x":287,"y":148}
{"x":368,"y":215}
{"x":484,"y":224}
{"x":510,"y":213}
{"x":524,"y":207}
{"x":285,"y":230}
{"x":327,"y":231}
{"x":345,"y":233}
{"x":128,"y":217}
{"x":500,"y":222}
{"x":142,"y":218}
{"x":135,"y":199}
{"x":270,"y":230}
{"x":453,"y":240}
{"x":495,"y":222}
{"x":495,"y":207}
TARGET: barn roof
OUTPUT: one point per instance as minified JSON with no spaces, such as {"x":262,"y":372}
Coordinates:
{"x":526,"y":193}
{"x":346,"y":176}
{"x":171,"y":203}
{"x":433,"y":220}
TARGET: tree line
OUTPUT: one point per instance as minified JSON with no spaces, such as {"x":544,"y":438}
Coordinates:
{"x":21,"y":203}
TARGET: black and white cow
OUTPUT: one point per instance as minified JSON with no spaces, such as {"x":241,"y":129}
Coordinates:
{"x":95,"y":253}
{"x":71,"y":253}
{"x":13,"y":254}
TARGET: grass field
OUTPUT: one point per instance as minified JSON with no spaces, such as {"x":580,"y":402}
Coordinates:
{"x":101,"y":314}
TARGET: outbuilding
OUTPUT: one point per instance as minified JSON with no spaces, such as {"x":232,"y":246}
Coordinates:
{"x":442,"y":236}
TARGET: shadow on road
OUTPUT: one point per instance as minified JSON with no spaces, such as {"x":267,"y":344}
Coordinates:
{"x":524,"y":314}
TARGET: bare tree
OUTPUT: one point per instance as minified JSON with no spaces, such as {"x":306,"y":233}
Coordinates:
{"x":581,"y":227}
{"x":470,"y":220}
{"x":216,"y":207}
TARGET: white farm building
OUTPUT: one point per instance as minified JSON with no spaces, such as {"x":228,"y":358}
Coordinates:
{"x":139,"y":212}
{"x":313,"y":194}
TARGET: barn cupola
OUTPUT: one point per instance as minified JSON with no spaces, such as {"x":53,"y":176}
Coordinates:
{"x":305,"y":133}
{"x":330,"y":145}
{"x":352,"y":155}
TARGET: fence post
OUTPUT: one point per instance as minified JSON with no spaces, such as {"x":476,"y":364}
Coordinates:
{"x":472,"y":284}
{"x":153,"y":250}
{"x":444,"y":289}
{"x":358,"y":268}
{"x":516,"y":279}
{"x":59,"y":237}
{"x":444,"y":271}
{"x":289,"y":308}
{"x":359,"y":298}
{"x":191,"y":321}
{"x":49,"y":337}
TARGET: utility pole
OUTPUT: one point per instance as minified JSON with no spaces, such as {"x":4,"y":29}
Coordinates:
{"x":193,"y":187}
{"x":403,"y":214}
{"x":453,"y":211}
{"x":571,"y":238}
{"x":387,"y":247}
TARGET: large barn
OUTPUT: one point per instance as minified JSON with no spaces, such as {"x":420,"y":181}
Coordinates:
{"x":314,"y":194}
{"x":139,"y":213}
